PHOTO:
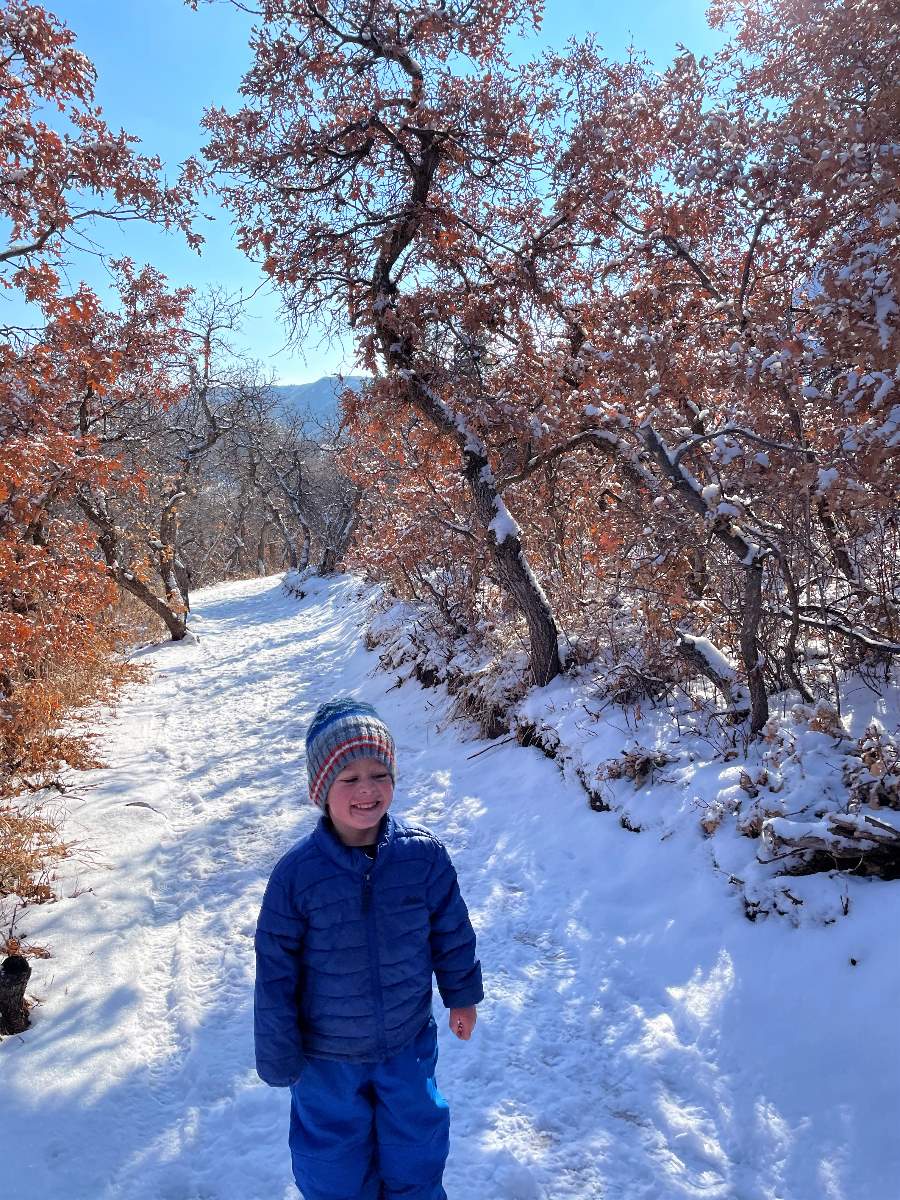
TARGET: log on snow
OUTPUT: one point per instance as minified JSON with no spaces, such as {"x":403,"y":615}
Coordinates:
{"x":873,"y":844}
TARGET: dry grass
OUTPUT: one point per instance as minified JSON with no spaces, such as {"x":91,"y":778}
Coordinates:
{"x":48,"y":718}
{"x":136,"y":624}
{"x":31,"y":847}
{"x":12,"y":945}
{"x":47,"y":726}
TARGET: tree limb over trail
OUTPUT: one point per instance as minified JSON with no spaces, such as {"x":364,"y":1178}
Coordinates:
{"x":579,"y":261}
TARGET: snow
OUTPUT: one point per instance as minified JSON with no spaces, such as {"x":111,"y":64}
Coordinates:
{"x":725,"y":450}
{"x":503,"y":525}
{"x":885,"y":309}
{"x":726,"y":509}
{"x":885,"y":387}
{"x":889,"y":432}
{"x":711,"y":494}
{"x":640,"y":1038}
{"x":827,"y":476}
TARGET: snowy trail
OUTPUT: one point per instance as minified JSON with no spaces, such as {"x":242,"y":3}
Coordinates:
{"x":640,"y":1039}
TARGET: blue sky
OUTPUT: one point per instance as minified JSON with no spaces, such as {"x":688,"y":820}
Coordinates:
{"x":159,"y":65}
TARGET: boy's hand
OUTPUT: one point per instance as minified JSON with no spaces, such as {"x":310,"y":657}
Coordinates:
{"x":462,"y":1021}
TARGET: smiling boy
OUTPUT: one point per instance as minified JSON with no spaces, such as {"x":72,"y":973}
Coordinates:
{"x":356,"y":919}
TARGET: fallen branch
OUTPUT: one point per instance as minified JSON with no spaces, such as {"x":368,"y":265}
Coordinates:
{"x":856,"y":842}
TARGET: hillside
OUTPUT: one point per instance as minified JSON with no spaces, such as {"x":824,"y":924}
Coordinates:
{"x":318,"y":398}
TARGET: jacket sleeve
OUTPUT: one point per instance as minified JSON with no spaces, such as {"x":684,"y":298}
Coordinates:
{"x":276,"y":1028}
{"x":457,"y":970}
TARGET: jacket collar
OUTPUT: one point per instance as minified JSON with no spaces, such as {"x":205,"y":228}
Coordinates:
{"x":351,"y":858}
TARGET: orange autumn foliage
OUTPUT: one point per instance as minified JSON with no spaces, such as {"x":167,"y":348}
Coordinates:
{"x":62,"y":377}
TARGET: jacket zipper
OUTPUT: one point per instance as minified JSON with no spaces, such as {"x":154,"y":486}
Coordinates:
{"x":368,"y":909}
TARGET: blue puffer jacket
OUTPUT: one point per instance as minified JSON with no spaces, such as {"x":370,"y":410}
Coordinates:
{"x":346,"y":947}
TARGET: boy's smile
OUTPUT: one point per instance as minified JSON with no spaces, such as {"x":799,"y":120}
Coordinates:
{"x":357,"y":800}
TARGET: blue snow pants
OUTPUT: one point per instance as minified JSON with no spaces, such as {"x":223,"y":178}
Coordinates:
{"x":371,"y":1131}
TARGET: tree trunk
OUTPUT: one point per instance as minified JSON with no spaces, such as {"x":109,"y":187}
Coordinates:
{"x":515,"y":571}
{"x":171,"y":570}
{"x":328,"y":561}
{"x":261,"y":548}
{"x":290,"y":550}
{"x":174,"y":621}
{"x":294,"y":498}
{"x":513,"y":568}
{"x":14,"y":975}
{"x":398,"y":353}
{"x":336,"y":546}
{"x":751,"y":651}
{"x":290,"y":555}
{"x":183,"y":577}
{"x":748,"y":555}
{"x":790,"y":649}
{"x":724,"y":681}
{"x":303,"y":557}
{"x":108,"y":540}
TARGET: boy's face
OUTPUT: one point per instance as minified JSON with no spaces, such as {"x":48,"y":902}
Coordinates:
{"x":357,"y":800}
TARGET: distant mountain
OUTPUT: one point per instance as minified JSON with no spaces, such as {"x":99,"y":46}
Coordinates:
{"x":319,"y":398}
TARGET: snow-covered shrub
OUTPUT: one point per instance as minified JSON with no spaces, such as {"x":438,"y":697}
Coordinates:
{"x":874,"y":779}
{"x":410,"y":641}
{"x":296,"y":583}
{"x":638,"y":764}
{"x":807,"y":804}
{"x":806,"y":799}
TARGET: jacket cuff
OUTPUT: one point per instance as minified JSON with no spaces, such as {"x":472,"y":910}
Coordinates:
{"x":462,"y":997}
{"x":280,"y":1075}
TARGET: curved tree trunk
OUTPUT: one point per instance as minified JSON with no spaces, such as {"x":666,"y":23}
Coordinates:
{"x":513,"y":567}
{"x":173,"y":615}
{"x":399,"y":356}
{"x":716,"y":669}
{"x":751,"y":562}
{"x":174,"y":621}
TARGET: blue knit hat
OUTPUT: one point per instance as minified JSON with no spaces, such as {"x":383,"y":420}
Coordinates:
{"x":341,"y":731}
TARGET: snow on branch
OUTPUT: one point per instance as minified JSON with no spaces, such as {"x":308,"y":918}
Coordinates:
{"x":725,"y":529}
{"x":710,"y":662}
{"x":734,"y":431}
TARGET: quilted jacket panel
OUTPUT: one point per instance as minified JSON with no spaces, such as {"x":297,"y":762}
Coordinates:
{"x":346,"y":948}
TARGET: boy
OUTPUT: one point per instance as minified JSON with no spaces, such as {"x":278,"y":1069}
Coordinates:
{"x":355,"y":919}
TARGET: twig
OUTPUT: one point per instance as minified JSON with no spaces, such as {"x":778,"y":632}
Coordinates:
{"x":493,"y":746}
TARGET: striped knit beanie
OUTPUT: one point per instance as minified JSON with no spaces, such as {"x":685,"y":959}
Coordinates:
{"x":341,"y":731}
